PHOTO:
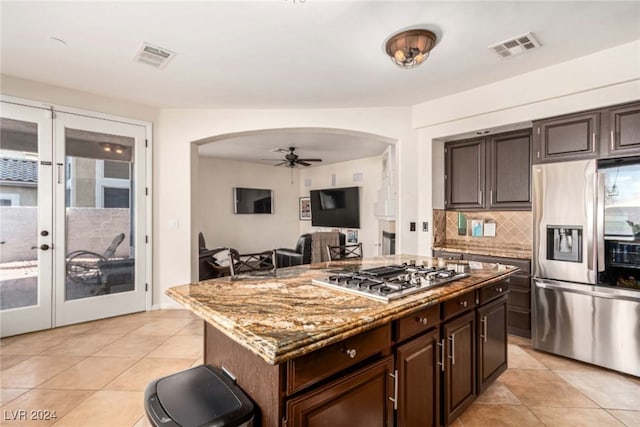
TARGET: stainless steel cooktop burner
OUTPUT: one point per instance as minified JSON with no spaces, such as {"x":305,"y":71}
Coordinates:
{"x":390,"y":282}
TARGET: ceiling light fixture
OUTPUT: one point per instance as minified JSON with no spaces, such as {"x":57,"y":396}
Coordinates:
{"x":408,"y":49}
{"x":112,"y":148}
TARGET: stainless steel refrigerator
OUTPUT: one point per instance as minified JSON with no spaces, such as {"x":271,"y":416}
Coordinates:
{"x":586,"y":261}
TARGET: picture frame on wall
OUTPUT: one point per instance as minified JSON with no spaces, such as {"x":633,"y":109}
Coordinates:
{"x":352,"y":236}
{"x":304,"y":208}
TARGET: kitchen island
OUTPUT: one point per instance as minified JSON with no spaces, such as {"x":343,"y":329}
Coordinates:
{"x":307,"y":354}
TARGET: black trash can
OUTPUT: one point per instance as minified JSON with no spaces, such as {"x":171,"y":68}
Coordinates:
{"x":200,"y":396}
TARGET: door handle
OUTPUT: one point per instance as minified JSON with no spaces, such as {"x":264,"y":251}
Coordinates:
{"x":441,"y":363}
{"x":44,"y":247}
{"x":484,"y":328}
{"x":452,"y":338}
{"x":394,"y":399}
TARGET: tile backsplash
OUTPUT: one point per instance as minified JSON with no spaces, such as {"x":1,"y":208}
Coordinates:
{"x":513,"y":228}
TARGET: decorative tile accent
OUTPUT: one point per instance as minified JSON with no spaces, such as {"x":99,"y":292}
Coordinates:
{"x":513,"y":229}
{"x":439,"y":227}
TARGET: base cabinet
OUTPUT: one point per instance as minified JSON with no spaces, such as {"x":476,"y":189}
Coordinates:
{"x":492,"y":342}
{"x":459,"y":337}
{"x":360,"y":399}
{"x":419,"y":370}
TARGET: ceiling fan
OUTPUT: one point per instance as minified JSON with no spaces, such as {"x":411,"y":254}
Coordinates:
{"x":291,"y":159}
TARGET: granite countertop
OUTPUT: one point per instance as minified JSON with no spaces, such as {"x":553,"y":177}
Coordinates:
{"x":283,"y":317}
{"x":480,"y":249}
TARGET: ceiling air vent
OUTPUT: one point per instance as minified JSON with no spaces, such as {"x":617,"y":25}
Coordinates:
{"x":515,"y":45}
{"x":153,"y":55}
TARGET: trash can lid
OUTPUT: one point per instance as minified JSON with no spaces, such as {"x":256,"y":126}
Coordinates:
{"x":203,"y":396}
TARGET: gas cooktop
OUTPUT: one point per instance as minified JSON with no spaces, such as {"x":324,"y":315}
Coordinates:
{"x":391,"y":281}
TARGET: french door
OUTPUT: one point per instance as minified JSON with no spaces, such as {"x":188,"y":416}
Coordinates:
{"x":86,"y":229}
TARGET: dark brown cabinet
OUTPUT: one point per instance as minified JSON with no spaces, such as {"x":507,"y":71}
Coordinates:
{"x":459,"y":337}
{"x":509,"y":170}
{"x":418,"y":373}
{"x":623,"y":131}
{"x":465,"y":174}
{"x":493,"y":172}
{"x":492,"y":341}
{"x":360,"y":399}
{"x":570,"y":137}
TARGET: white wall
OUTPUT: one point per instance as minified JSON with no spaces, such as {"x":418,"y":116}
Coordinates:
{"x":28,"y":89}
{"x":371,"y":170}
{"x":604,"y":78}
{"x":246,"y":233}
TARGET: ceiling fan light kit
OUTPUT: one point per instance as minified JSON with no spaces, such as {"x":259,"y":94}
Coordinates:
{"x":408,"y":49}
{"x":291,"y":160}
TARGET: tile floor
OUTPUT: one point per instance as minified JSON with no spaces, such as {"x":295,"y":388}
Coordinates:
{"x":94,"y":374}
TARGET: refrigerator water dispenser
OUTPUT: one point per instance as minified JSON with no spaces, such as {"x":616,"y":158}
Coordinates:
{"x":564,"y":243}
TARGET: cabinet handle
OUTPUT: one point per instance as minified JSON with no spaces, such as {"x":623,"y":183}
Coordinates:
{"x":479,"y":196}
{"x":491,"y":196}
{"x":452,"y":338}
{"x":463,"y":303}
{"x":593,"y":141}
{"x":499,"y":290}
{"x":484,"y":328}
{"x":422,"y":320}
{"x":394,"y":399}
{"x":351,"y":352}
{"x":441,"y":363}
{"x":612,"y":141}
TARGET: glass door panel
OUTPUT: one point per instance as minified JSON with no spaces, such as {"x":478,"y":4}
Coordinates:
{"x":25,"y":219}
{"x":97,"y":216}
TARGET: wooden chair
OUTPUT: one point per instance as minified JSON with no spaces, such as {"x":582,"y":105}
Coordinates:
{"x":252,"y":264}
{"x":341,"y":252}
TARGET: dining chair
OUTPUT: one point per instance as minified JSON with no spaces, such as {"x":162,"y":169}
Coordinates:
{"x":340,"y":252}
{"x":252,"y":263}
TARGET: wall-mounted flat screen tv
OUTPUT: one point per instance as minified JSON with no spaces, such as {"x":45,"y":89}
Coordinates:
{"x":252,"y":201}
{"x":336,"y":207}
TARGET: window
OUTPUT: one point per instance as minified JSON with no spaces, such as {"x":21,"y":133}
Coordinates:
{"x":116,"y":197}
{"x":113,"y":169}
{"x":9,"y":199}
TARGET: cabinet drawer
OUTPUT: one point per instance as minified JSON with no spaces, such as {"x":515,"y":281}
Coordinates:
{"x":417,"y":322}
{"x":519,"y":298}
{"x":458,"y":305}
{"x":494,"y":291}
{"x":520,"y":282}
{"x":322,"y":363}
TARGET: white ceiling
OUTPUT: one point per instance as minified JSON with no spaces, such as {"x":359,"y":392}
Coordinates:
{"x":286,"y":54}
{"x":330,"y":146}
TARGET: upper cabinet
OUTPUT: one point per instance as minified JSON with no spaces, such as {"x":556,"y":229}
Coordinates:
{"x":571,"y":137}
{"x":492,"y":172}
{"x":624,"y":131}
{"x":464,"y":174}
{"x":610,"y":132}
{"x":509,"y":170}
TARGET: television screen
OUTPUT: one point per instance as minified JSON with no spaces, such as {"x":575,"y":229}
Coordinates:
{"x":335,"y":207}
{"x":252,"y":201}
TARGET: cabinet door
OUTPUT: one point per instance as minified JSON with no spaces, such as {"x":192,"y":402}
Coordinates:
{"x":419,"y":381}
{"x":624,"y":130}
{"x":460,"y":369}
{"x":465,"y":174}
{"x":567,"y":138}
{"x":360,"y":399}
{"x":509,"y":167}
{"x":492,"y":342}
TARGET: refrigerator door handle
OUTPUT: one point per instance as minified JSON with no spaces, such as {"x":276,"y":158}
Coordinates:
{"x":590,"y":213}
{"x":572,"y":289}
{"x":600,"y":221}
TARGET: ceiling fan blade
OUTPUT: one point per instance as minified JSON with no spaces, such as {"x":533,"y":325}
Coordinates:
{"x":311,"y":160}
{"x":281,"y":163}
{"x":280,"y":150}
{"x":302,"y":162}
